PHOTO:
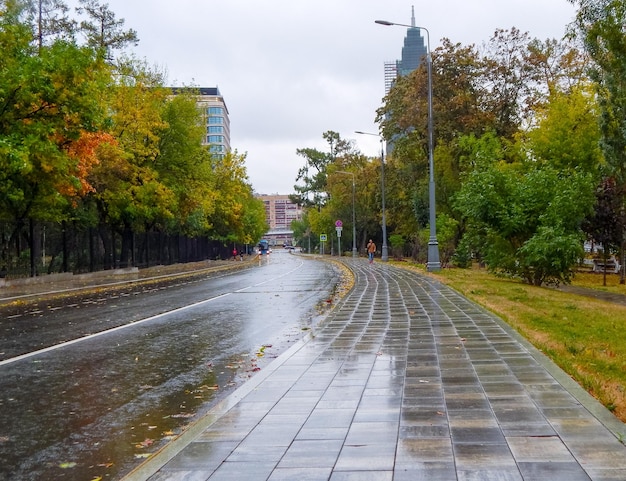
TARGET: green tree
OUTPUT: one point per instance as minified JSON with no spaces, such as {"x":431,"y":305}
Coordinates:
{"x":606,"y":223}
{"x":102,"y":30}
{"x":567,"y":134}
{"x":131,"y":194}
{"x":50,"y":96}
{"x":312,"y":190}
{"x":601,"y":25}
{"x":232,"y":194}
{"x":51,"y":20}
{"x":527,"y":220}
{"x":185,"y":165}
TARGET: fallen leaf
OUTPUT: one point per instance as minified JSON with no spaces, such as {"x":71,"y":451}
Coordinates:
{"x":142,"y":455}
{"x":67,"y":465}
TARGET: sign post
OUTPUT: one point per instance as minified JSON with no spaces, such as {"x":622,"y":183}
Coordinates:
{"x":323,"y":238}
{"x":339,"y":228}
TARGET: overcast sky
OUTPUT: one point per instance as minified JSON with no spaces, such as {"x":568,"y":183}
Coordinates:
{"x":290,"y":70}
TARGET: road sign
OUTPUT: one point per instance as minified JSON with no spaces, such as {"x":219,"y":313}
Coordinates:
{"x":323,"y":237}
{"x":338,"y":223}
{"x":338,"y":229}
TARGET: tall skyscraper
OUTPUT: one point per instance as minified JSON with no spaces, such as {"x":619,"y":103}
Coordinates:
{"x":413,"y":52}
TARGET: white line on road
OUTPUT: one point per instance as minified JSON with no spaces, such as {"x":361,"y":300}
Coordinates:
{"x":135,"y":323}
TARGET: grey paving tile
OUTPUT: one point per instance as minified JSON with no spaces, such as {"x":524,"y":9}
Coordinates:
{"x":372,"y":433}
{"x":599,"y":452}
{"x":187,"y":475}
{"x":421,"y":417}
{"x":545,"y":449}
{"x":490,"y":474}
{"x":362,"y":476}
{"x":273,"y":434}
{"x":554,"y":471}
{"x":607,"y":474}
{"x":311,"y":454}
{"x":487,"y":457}
{"x":426,"y":471}
{"x":300,"y":474}
{"x":477,"y":434}
{"x":420,"y":432}
{"x":243,"y":471}
{"x":368,"y":457}
{"x":540,"y":428}
{"x":467,"y":401}
{"x":309,"y":432}
{"x":412,"y":451}
{"x":202,"y":456}
{"x":329,"y":418}
{"x":250,"y":452}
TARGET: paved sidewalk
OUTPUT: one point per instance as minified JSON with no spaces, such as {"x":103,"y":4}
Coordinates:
{"x":406,"y":380}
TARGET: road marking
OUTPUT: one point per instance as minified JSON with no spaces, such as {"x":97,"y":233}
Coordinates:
{"x":135,"y":323}
{"x":108,"y":331}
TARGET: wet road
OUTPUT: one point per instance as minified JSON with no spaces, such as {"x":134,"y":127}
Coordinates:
{"x":91,"y":387}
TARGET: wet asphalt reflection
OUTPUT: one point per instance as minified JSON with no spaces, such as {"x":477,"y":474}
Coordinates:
{"x":96,"y":408}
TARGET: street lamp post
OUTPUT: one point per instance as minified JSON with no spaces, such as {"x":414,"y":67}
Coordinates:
{"x":433,"y":263}
{"x":355,"y":253}
{"x":385,"y":251}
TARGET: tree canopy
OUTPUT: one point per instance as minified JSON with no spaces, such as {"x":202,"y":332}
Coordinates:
{"x":98,"y":140}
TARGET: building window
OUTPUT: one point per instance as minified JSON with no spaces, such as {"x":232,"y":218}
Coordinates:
{"x":216,"y":120}
{"x":215,"y":130}
{"x":215,"y":139}
{"x":216,"y":148}
{"x":215,"y":111}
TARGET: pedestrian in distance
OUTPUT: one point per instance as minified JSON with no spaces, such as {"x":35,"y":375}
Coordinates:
{"x":235,"y":254}
{"x":371,"y":249}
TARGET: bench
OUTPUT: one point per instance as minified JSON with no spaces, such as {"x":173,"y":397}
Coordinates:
{"x":611,"y":265}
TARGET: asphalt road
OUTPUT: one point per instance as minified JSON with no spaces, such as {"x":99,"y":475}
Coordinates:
{"x":92,"y":385}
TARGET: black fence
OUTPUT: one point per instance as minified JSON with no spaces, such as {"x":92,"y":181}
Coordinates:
{"x":45,"y":248}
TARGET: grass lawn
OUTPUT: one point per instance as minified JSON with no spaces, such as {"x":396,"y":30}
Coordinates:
{"x":585,"y":336}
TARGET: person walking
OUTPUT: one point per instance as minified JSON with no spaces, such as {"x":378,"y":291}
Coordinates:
{"x":371,"y":249}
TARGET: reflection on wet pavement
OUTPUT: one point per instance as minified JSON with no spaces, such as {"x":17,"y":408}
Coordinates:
{"x":406,"y":380}
{"x":101,"y":406}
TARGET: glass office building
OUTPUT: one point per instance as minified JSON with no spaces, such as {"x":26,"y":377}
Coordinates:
{"x":215,"y":119}
{"x":414,"y":52}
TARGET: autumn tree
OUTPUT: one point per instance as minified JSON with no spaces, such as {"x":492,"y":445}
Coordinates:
{"x":185,"y":165}
{"x":601,"y":26}
{"x":131,"y":194}
{"x":236,"y":212}
{"x":51,"y":96}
